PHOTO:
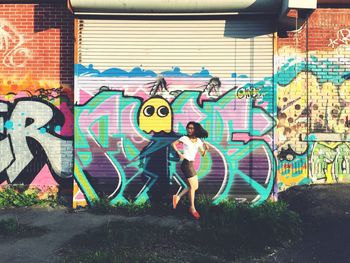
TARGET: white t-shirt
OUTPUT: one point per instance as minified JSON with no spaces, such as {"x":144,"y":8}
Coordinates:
{"x":190,"y":148}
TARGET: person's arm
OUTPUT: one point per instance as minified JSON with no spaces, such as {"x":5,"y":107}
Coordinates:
{"x":204,"y":148}
{"x":174,"y":145}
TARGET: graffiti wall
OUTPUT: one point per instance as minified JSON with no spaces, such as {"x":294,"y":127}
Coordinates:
{"x":266,"y":132}
{"x":123,"y":133}
{"x":314,"y":101}
{"x":138,"y":84}
{"x":36,"y":117}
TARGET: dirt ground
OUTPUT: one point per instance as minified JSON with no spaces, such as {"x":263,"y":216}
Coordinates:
{"x":325,"y":211}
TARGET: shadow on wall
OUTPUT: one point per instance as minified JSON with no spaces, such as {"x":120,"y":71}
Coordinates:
{"x":244,"y":28}
{"x":48,"y":15}
{"x":250,"y":36}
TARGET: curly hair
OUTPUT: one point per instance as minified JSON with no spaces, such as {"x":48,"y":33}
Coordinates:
{"x":199,"y":131}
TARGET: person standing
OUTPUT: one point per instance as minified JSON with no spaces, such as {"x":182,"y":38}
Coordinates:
{"x":191,"y":144}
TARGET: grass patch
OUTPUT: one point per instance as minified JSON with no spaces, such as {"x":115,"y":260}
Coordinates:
{"x":237,"y":229}
{"x":21,"y":196}
{"x":226,"y":232}
{"x":126,"y":242}
{"x":11,"y":227}
{"x":102,"y":206}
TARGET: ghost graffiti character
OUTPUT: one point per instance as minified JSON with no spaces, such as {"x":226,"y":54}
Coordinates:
{"x":155,"y":115}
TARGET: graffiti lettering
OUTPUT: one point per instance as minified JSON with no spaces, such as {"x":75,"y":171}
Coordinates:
{"x":28,"y":120}
{"x":248,"y":93}
{"x":330,"y":163}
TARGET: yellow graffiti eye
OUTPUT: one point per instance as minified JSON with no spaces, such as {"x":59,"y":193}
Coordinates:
{"x":148,"y":111}
{"x":163,"y":111}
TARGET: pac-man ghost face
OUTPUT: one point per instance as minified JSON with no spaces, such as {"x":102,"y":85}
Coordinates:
{"x":155,"y":115}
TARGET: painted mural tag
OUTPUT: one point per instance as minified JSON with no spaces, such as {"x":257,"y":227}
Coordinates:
{"x":123,"y":134}
{"x":28,"y":127}
{"x":12,"y":50}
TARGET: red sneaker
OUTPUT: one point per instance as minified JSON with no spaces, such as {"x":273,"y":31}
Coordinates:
{"x":194,"y":214}
{"x":175,"y":201}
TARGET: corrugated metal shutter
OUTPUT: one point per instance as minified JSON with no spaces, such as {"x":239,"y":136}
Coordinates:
{"x":237,"y":45}
{"x":129,"y":54}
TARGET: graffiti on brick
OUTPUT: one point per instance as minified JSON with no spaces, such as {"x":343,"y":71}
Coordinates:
{"x":330,"y":162}
{"x":313,"y":105}
{"x":342,"y":39}
{"x":13,"y":53}
{"x":30,"y":138}
{"x":300,"y":112}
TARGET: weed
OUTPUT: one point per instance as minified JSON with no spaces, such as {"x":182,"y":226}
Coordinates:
{"x":126,"y":242}
{"x":237,"y":228}
{"x":232,"y":230}
{"x":21,"y":196}
{"x":103,"y":206}
{"x":11,"y":227}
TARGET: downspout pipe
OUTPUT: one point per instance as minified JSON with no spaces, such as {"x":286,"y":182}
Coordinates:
{"x":304,"y":8}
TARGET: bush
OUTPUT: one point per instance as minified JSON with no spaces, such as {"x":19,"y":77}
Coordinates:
{"x":20,"y":196}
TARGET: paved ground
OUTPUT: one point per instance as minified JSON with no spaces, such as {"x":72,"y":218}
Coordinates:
{"x":325,"y":211}
{"x":61,"y":226}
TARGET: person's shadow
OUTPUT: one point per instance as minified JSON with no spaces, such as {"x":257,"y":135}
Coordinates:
{"x":158,"y":160}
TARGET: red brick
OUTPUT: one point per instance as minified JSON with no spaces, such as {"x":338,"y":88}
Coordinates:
{"x":46,"y":45}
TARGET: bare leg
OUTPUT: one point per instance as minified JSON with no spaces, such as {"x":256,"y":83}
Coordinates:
{"x":193,"y":186}
{"x":176,"y":198}
{"x":183,"y":192}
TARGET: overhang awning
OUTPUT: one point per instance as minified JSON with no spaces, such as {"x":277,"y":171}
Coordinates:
{"x":173,"y":7}
{"x":280,"y":8}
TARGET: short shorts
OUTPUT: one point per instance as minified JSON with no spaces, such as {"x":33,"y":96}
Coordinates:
{"x":188,"y":169}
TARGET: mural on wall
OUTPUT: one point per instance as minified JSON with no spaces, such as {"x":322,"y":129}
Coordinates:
{"x":12,"y":49}
{"x":36,"y":99}
{"x":35,"y":133}
{"x":313,"y":117}
{"x":342,"y":39}
{"x":124,"y":128}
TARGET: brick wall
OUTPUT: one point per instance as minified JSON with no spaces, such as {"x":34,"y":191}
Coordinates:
{"x":46,"y":33}
{"x":36,"y":94}
{"x":313,"y":100}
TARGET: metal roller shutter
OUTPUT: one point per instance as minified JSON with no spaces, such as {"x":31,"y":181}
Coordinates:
{"x":130,"y":55}
{"x":237,"y":45}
